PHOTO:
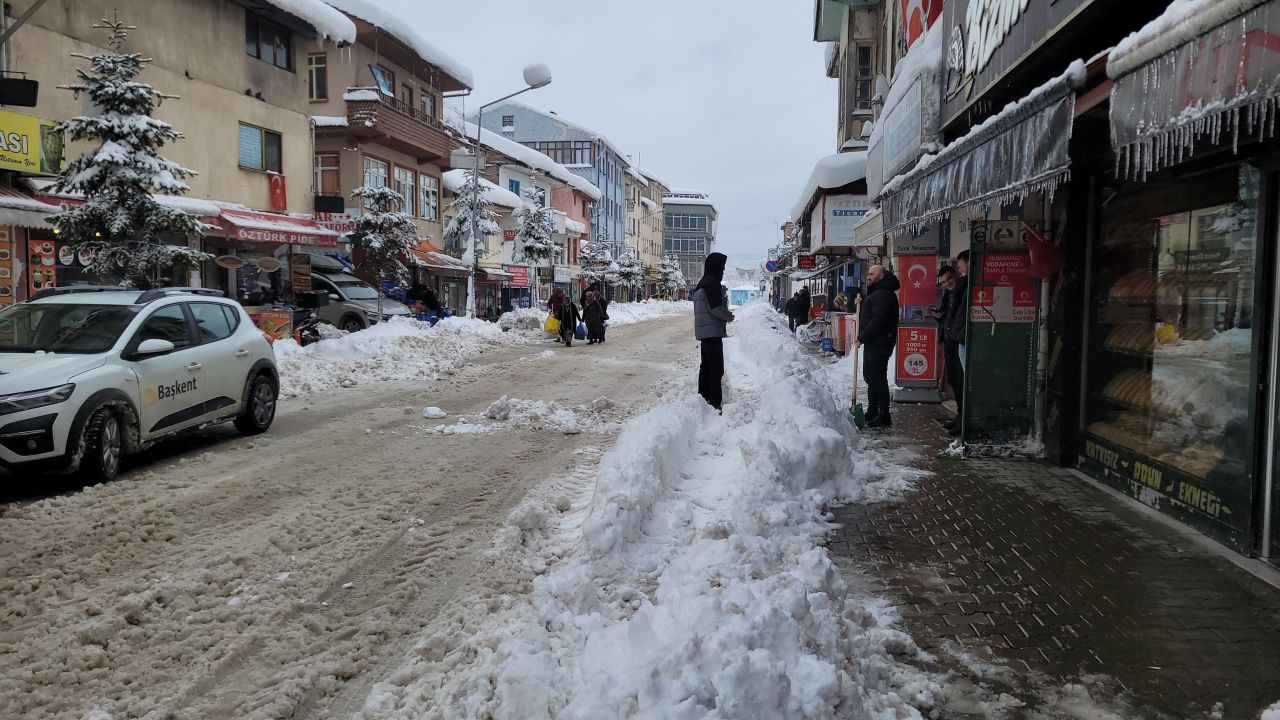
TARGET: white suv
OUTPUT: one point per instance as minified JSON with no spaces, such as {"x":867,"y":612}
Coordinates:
{"x":89,"y":374}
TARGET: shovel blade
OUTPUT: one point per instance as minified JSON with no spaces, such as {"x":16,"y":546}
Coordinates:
{"x":859,"y":416}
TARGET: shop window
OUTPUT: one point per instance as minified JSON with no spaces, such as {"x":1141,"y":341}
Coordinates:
{"x":260,"y":149}
{"x":376,"y":173}
{"x":1170,"y":376}
{"x":268,"y":42}
{"x":428,"y":197}
{"x":317,"y":76}
{"x":407,"y":187}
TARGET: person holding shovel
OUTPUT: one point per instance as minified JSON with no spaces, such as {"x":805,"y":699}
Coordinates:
{"x":877,"y":334}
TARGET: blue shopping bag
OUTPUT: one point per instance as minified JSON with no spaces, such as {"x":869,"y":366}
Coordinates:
{"x":580,"y":332}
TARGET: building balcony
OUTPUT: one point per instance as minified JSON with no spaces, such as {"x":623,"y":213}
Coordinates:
{"x":374,"y":117}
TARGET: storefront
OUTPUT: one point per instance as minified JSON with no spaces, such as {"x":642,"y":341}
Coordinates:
{"x":516,"y":292}
{"x":253,"y":254}
{"x":1182,"y":326}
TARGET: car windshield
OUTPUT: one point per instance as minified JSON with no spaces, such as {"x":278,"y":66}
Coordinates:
{"x":357,"y":290}
{"x":69,"y":328}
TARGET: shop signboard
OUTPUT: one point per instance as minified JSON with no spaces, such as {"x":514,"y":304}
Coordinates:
{"x":917,"y":355}
{"x":1169,"y":489}
{"x":562,"y":274}
{"x":519,"y":275}
{"x":276,"y":322}
{"x":1003,"y":290}
{"x":29,"y":144}
{"x":985,"y":39}
{"x":840,"y":214}
{"x":923,"y":241}
{"x":337,"y":222}
{"x":509,"y":235}
{"x":806,"y":262}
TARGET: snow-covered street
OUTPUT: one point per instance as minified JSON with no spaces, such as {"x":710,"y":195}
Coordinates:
{"x":600,"y":540}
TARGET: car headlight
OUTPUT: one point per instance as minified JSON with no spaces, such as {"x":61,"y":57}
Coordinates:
{"x":17,"y":402}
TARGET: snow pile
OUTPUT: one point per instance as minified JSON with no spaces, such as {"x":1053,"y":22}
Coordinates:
{"x":398,"y":350}
{"x":534,"y":415}
{"x":394,"y":24}
{"x":621,"y":313}
{"x":1271,"y":713}
{"x":523,"y":319}
{"x":434,"y":413}
{"x":690,"y":582}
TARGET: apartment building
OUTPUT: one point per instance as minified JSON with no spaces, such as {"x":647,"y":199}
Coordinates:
{"x":644,"y":222}
{"x":239,"y":101}
{"x":689,"y":229}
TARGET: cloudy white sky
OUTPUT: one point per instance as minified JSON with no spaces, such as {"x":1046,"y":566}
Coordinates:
{"x":727,"y":97}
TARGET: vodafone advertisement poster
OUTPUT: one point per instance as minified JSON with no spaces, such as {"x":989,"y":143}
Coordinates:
{"x":1002,"y":290}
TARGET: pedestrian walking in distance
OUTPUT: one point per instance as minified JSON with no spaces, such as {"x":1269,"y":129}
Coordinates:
{"x":596,"y":289}
{"x":793,"y":310}
{"x":877,"y":333}
{"x":806,"y":304}
{"x":710,"y":316}
{"x":593,"y":317}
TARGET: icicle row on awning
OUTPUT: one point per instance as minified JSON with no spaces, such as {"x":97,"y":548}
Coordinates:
{"x":1021,"y":150}
{"x":1220,"y":83}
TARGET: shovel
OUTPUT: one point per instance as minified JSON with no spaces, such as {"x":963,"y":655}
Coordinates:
{"x":855,"y":407}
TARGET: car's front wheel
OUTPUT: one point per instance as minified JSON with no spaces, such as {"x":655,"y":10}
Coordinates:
{"x":351,"y":324}
{"x":259,"y":408}
{"x":103,"y":438}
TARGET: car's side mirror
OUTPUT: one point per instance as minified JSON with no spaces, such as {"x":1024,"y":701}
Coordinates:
{"x":154,"y":346}
{"x":334,"y":297}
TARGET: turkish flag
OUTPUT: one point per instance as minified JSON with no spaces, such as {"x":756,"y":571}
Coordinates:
{"x":1046,"y":259}
{"x":279,"y":198}
{"x":919,"y":277}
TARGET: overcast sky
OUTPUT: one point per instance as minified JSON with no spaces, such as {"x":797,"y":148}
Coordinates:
{"x":726,"y":97}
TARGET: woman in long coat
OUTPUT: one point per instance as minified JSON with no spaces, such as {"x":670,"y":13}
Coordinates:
{"x":593,"y":316}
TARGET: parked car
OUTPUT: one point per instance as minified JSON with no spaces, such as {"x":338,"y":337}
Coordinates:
{"x":353,"y":303}
{"x":91,"y":374}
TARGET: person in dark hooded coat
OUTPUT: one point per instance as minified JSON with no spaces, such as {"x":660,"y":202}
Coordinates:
{"x":710,"y":316}
{"x":593,"y":316}
{"x":878,"y":333}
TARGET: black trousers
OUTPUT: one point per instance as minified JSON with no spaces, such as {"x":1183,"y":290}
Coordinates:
{"x":875,"y":370}
{"x":955,"y":376}
{"x":711,"y":370}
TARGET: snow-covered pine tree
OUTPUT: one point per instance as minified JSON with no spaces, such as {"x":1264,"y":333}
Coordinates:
{"x":596,"y":261}
{"x":629,"y":270}
{"x":120,"y":220}
{"x":385,"y":233}
{"x":670,"y":277}
{"x":534,"y":237}
{"x":468,"y":204}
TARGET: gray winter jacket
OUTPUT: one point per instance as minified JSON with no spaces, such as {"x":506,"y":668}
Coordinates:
{"x":709,"y":322}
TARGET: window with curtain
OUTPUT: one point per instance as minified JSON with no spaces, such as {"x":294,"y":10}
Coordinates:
{"x":407,"y":187}
{"x":428,"y":197}
{"x":260,"y":149}
{"x":328,"y":174}
{"x":317,"y":76}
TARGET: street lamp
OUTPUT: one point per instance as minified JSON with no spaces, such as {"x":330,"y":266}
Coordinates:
{"x":536,"y":75}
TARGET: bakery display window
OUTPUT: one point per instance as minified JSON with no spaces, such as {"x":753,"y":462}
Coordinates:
{"x":1169,"y":377}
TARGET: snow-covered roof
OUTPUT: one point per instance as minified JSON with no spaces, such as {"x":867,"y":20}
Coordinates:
{"x":454,"y":180}
{"x":654,"y":178}
{"x":573,"y":227}
{"x":568,"y":123}
{"x":387,"y":20}
{"x":1181,"y":22}
{"x":17,"y":208}
{"x":704,"y":200}
{"x":649,"y":204}
{"x":534,"y":159}
{"x":329,"y":23}
{"x":637,"y":175}
{"x":683,"y":191}
{"x":329,"y":120}
{"x":830,"y":172}
{"x":190,"y":205}
{"x":448,"y":260}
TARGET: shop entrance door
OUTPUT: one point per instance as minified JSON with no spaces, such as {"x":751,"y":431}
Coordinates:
{"x":1269,"y":539}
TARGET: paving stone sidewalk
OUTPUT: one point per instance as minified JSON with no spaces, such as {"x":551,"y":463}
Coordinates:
{"x":1023,"y":579}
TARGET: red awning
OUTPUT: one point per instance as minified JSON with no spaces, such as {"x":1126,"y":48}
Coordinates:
{"x":265,"y":227}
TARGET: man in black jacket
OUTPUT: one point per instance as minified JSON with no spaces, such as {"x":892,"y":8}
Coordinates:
{"x":877,"y":333}
{"x":953,"y":332}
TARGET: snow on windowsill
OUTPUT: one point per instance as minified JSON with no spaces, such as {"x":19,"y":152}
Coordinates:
{"x":363,"y":95}
{"x":329,"y":120}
